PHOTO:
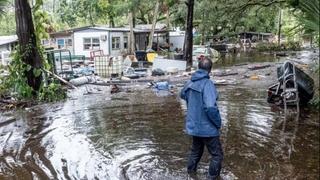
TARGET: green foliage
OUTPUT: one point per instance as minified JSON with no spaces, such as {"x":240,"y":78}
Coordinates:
{"x":292,"y":46}
{"x":288,"y":46}
{"x":311,"y":12}
{"x":306,"y":15}
{"x":16,"y":82}
{"x":316,"y":98}
{"x":52,"y":92}
{"x":197,"y":40}
{"x":2,"y":5}
{"x":7,"y":19}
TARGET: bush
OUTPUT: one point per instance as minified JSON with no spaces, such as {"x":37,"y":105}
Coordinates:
{"x":288,"y":46}
{"x":292,"y":46}
{"x":197,"y":40}
{"x":15,"y":85}
{"x":52,"y":92}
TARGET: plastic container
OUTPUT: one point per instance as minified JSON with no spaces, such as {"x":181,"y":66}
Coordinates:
{"x":105,"y":66}
{"x":151,"y":56}
{"x":141,"y":55}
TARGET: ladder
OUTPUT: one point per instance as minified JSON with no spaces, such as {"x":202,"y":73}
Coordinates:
{"x":290,"y":92}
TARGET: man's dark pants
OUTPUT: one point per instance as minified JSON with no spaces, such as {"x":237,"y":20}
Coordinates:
{"x":214,"y":148}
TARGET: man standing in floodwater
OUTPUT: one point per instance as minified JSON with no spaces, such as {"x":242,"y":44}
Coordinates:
{"x":203,"y":119}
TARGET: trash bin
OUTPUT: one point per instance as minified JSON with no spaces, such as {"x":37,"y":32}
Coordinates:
{"x":141,"y":55}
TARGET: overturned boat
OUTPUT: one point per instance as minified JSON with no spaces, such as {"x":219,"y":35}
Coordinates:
{"x":294,"y":81}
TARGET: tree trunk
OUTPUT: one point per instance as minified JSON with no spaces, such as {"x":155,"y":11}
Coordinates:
{"x":28,"y":43}
{"x":154,"y":22}
{"x":131,"y":36}
{"x":90,"y":15}
{"x":134,"y":19}
{"x":168,"y":18}
{"x":203,"y":30}
{"x":111,"y":21}
{"x":279,"y":27}
{"x":188,"y":41}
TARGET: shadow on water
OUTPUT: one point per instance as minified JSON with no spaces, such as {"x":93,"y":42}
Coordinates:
{"x":140,"y":136}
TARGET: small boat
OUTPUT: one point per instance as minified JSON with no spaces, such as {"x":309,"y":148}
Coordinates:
{"x":304,"y":82}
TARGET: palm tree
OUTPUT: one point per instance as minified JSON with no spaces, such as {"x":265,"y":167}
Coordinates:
{"x":310,"y":18}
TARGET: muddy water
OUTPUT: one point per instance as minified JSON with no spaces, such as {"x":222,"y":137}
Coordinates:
{"x":139,"y":135}
{"x":241,"y":58}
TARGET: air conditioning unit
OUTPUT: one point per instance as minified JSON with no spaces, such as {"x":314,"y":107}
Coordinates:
{"x":103,"y":37}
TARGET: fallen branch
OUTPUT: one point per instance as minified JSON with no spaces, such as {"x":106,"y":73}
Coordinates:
{"x":60,"y":78}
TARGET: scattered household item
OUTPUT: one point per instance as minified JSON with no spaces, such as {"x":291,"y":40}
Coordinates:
{"x":59,"y":78}
{"x":163,"y":64}
{"x":254,"y":77}
{"x":205,"y":51}
{"x":225,"y":73}
{"x":158,"y":72}
{"x":106,"y":66}
{"x":96,"y":53}
{"x":114,"y":89}
{"x":172,"y":70}
{"x":141,"y":71}
{"x":294,"y":87}
{"x":83,"y":71}
{"x":83,"y":80}
{"x":161,"y":85}
{"x":151,"y":55}
{"x":132,"y":58}
{"x":126,"y":64}
{"x":135,"y":73}
{"x":256,"y":67}
{"x":141,"y":55}
{"x":178,"y":56}
{"x":281,"y":54}
{"x":57,"y":59}
{"x":225,"y":82}
{"x":162,"y":88}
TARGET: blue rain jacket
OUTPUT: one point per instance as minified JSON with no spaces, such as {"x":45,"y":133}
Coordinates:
{"x":203,"y":116}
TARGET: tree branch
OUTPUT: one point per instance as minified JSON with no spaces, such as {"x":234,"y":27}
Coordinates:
{"x":251,"y":3}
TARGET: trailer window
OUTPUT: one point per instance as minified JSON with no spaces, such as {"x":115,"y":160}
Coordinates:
{"x":60,"y":43}
{"x":125,"y":42}
{"x":115,"y":43}
{"x":91,"y":43}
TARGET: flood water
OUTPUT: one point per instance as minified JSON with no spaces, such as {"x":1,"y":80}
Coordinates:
{"x":139,"y":135}
{"x":241,"y":58}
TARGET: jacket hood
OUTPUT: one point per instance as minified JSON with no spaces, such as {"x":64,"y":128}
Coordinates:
{"x":199,"y":74}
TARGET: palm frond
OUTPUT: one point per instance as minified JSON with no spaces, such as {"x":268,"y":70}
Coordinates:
{"x":311,"y":12}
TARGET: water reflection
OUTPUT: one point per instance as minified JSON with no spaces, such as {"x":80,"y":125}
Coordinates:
{"x":245,"y":57}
